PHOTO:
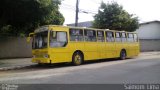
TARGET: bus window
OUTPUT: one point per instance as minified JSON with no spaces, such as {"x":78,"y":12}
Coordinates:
{"x":58,"y":39}
{"x":130,"y":37}
{"x":109,"y":36}
{"x":76,"y":35}
{"x":100,"y":36}
{"x":90,"y":35}
{"x":124,"y":37}
{"x":118,"y":37}
{"x":135,"y":37}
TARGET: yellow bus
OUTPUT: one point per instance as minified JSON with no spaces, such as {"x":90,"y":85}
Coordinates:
{"x":59,"y":44}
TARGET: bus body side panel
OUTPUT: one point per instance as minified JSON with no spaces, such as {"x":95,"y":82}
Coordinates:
{"x":132,"y":49}
{"x":119,"y":46}
{"x":136,"y":48}
{"x":77,"y":46}
{"x":125,"y":46}
{"x":58,"y":55}
{"x":90,"y":51}
{"x":110,"y":49}
{"x":102,"y":50}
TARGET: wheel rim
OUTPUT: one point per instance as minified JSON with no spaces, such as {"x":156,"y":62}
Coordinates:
{"x":123,"y":55}
{"x":77,"y":59}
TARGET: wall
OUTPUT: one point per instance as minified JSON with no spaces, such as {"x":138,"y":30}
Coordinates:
{"x":149,"y":31}
{"x":14,"y":47}
{"x":149,"y":45}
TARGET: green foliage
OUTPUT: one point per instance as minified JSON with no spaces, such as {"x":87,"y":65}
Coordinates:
{"x":112,"y":16}
{"x":19,"y":17}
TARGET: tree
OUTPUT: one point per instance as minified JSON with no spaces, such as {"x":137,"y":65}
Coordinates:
{"x":113,"y":16}
{"x":23,"y":16}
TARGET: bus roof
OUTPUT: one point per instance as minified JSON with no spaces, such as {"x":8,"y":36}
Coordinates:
{"x":81,"y":28}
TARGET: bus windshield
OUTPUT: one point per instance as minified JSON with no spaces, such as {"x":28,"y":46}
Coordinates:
{"x":40,"y":40}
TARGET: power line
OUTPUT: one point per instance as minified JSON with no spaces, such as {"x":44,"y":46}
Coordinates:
{"x":68,"y":5}
{"x":71,"y":7}
{"x":87,"y":12}
{"x":95,"y":2}
{"x":65,"y":7}
{"x":80,"y":10}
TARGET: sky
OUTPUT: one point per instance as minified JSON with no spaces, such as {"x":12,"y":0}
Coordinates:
{"x":146,"y":10}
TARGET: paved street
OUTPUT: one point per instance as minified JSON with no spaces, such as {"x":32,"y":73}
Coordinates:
{"x":144,"y":69}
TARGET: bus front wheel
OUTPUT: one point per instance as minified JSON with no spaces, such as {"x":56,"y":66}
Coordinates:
{"x":123,"y":55}
{"x":77,"y":58}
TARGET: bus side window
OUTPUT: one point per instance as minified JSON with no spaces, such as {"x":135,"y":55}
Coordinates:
{"x":58,"y":39}
{"x":90,"y":35}
{"x":124,"y":37}
{"x":118,"y":37}
{"x":130,"y":37}
{"x":135,"y":38}
{"x":109,"y":36}
{"x":100,"y":36}
{"x":76,"y":35}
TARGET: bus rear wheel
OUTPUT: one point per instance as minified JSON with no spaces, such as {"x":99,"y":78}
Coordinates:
{"x":77,"y":59}
{"x":123,"y":55}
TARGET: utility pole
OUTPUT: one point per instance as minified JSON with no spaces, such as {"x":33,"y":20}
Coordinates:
{"x":77,"y":10}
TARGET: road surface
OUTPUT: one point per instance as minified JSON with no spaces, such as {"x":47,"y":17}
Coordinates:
{"x":140,"y":70}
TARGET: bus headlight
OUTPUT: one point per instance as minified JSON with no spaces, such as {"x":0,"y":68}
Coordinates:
{"x":46,"y":56}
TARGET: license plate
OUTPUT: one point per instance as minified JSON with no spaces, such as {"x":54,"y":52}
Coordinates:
{"x":37,"y":61}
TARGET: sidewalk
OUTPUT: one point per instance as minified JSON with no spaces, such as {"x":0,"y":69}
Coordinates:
{"x":149,"y":53}
{"x":7,"y":64}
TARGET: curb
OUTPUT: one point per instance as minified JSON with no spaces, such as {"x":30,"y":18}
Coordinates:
{"x":15,"y":67}
{"x":149,"y":54}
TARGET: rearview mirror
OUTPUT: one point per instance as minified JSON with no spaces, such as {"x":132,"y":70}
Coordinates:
{"x":28,"y":39}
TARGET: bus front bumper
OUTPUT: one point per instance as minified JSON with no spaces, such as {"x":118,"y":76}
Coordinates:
{"x":41,"y":60}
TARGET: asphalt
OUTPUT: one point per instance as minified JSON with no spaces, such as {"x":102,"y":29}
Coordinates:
{"x":9,"y":64}
{"x":140,"y":70}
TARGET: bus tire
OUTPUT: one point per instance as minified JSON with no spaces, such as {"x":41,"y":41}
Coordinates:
{"x":123,"y":55}
{"x":77,"y":58}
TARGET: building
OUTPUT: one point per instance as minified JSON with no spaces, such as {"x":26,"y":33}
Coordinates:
{"x":82,"y":24}
{"x":149,"y":34}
